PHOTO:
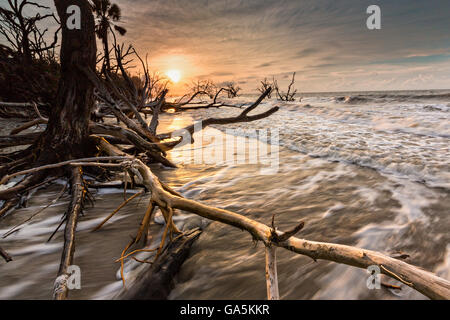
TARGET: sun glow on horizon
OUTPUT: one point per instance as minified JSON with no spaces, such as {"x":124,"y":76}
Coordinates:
{"x":174,"y":75}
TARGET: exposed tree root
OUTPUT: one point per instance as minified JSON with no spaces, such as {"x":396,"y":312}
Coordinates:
{"x":139,"y":142}
{"x":18,"y":110}
{"x":28,"y":125}
{"x":74,"y":162}
{"x":15,"y":165}
{"x":8,"y":205}
{"x":26,"y":184}
{"x":75,"y":209}
{"x":6,"y":158}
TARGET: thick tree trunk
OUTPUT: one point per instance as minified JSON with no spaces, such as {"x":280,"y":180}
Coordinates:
{"x":271,"y":273}
{"x":68,"y":126}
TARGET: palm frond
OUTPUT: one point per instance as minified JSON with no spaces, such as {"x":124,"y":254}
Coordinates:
{"x":114,"y":12}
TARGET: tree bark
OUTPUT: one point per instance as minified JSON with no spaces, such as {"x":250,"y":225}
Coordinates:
{"x":106,"y":48}
{"x":425,"y":282}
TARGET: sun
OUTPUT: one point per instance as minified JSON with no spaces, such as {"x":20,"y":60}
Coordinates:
{"x":174,"y":75}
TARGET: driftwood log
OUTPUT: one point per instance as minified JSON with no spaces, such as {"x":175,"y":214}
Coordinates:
{"x":74,"y":211}
{"x":157,"y":282}
{"x":69,"y":135}
{"x":5,"y":255}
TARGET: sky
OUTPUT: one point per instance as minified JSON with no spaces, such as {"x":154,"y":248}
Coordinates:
{"x":326,"y":42}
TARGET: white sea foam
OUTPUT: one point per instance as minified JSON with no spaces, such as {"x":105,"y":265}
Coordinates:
{"x":37,"y":249}
{"x":407,"y":139}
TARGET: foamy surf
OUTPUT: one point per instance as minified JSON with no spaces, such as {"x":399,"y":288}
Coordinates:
{"x":402,"y":138}
{"x":325,"y":178}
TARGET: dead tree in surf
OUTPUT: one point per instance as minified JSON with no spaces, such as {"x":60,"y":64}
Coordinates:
{"x":72,"y":146}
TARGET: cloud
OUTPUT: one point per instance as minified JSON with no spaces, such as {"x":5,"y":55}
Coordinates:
{"x":258,"y":38}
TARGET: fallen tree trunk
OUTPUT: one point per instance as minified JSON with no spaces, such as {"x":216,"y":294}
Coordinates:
{"x":19,"y":140}
{"x":157,"y":282}
{"x":271,"y":273}
{"x":425,"y":282}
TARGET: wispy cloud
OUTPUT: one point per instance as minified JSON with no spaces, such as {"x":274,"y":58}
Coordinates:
{"x":256,"y":38}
